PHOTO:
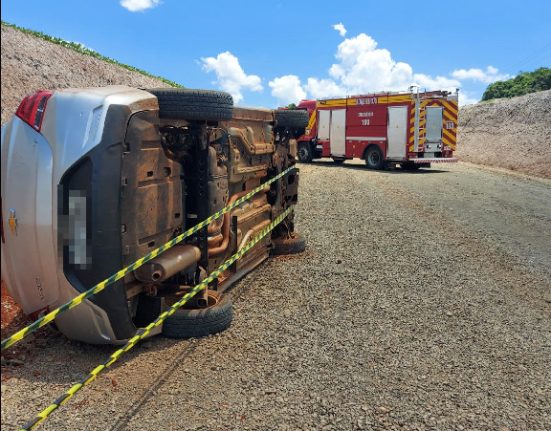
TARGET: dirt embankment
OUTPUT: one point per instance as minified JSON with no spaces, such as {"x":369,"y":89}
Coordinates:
{"x":30,"y":63}
{"x":508,"y":133}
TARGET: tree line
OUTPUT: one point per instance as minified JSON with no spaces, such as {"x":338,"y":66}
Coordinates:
{"x":523,"y":83}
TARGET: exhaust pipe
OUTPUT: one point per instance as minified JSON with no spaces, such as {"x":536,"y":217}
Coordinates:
{"x":168,"y":264}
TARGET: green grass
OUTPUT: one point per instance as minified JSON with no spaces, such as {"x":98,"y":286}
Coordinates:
{"x":87,"y":51}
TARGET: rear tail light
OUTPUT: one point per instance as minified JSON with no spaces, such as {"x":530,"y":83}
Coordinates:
{"x":2,"y":219}
{"x":31,"y":109}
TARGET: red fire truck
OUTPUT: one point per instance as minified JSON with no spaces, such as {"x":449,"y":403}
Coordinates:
{"x":413,"y":129}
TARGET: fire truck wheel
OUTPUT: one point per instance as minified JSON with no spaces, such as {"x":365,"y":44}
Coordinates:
{"x":200,"y":322}
{"x":304,"y":152}
{"x":374,"y":158}
{"x":193,"y":105}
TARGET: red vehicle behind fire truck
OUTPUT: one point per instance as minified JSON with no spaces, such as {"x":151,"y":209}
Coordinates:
{"x":410,"y":129}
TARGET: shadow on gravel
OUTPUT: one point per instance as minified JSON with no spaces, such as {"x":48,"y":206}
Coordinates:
{"x":55,"y":359}
{"x":49,"y":357}
{"x":237,"y":291}
{"x":52,"y":358}
{"x":361,"y":167}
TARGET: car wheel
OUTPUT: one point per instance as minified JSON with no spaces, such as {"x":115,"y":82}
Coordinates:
{"x":200,"y":322}
{"x":292,"y":119}
{"x":193,"y":105}
{"x":294,"y":245}
{"x":374,"y":158}
{"x":304,"y":152}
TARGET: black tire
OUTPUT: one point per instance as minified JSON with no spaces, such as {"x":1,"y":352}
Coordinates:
{"x":338,"y":161}
{"x":193,"y":105}
{"x":292,"y":119}
{"x":374,"y":158}
{"x":195,"y":323}
{"x":304,"y":152}
{"x":284,"y":246}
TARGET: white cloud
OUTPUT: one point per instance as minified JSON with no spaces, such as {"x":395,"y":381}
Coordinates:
{"x":350,"y":48}
{"x":465,"y":98}
{"x":139,"y":5}
{"x":491,"y":74}
{"x":287,"y":89}
{"x":230,"y":75}
{"x":362,"y":67}
{"x":340,"y":28}
{"x":321,"y":88}
{"x":435,"y":83}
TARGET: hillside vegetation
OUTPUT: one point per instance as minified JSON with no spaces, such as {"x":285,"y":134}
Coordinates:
{"x":523,"y":83}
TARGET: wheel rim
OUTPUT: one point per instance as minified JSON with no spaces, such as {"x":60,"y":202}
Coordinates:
{"x":374,"y":158}
{"x":302,"y":153}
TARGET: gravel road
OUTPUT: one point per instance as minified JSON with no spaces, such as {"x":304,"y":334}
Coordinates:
{"x":422,"y":302}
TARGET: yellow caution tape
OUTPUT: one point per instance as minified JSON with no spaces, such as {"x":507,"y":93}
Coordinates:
{"x":49,"y":317}
{"x":143,"y":332}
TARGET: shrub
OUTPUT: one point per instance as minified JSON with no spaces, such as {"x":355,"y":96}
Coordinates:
{"x":523,"y":83}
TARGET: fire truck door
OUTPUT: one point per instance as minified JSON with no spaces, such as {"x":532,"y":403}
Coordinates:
{"x":323,"y":128}
{"x":338,"y":132}
{"x":434,"y":129}
{"x":397,"y":132}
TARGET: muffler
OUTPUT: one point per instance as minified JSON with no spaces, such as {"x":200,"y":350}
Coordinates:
{"x":168,"y":264}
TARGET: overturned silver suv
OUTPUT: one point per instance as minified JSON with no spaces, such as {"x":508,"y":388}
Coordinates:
{"x":94,"y":179}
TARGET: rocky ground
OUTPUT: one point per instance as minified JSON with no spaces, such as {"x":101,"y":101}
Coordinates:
{"x":422,"y":302}
{"x":511,"y":133}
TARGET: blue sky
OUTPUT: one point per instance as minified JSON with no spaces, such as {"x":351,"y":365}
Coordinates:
{"x":267,"y":53}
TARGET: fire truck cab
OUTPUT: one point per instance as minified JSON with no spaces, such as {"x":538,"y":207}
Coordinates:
{"x":410,"y":129}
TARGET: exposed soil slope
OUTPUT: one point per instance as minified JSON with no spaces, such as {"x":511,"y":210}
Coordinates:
{"x":30,"y":63}
{"x":508,"y":133}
